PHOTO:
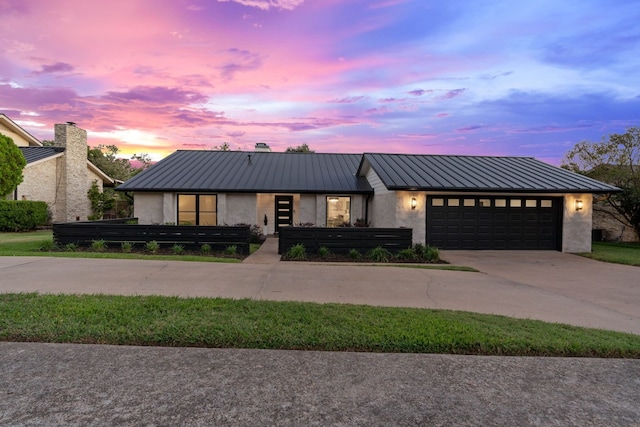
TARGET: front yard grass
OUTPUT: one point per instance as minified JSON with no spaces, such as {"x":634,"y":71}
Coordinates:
{"x":29,"y":243}
{"x":619,"y":253}
{"x":226,"y":323}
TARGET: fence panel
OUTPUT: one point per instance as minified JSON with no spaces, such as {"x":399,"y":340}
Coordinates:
{"x":342,"y":240}
{"x":117,"y":232}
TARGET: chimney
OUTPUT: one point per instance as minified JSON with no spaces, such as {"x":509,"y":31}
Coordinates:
{"x":262,"y":147}
{"x":71,"y":197}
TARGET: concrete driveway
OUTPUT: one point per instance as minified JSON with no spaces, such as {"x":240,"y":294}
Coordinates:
{"x":548,"y":286}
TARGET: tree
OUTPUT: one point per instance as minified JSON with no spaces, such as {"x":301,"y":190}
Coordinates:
{"x":105,"y":157}
{"x":304,"y":148}
{"x":614,"y":160}
{"x":222,"y":147}
{"x":12,"y":162}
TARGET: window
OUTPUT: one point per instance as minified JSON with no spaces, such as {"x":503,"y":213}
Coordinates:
{"x":453,"y":202}
{"x":338,"y":211}
{"x":530,"y":203}
{"x":484,"y":203}
{"x":469,"y":202}
{"x":437,"y":202}
{"x":501,"y":203}
{"x":515,"y":203}
{"x":546,"y":203}
{"x":197,"y":209}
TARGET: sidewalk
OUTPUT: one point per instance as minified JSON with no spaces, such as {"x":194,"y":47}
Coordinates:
{"x":266,"y":254}
{"x":92,"y":385}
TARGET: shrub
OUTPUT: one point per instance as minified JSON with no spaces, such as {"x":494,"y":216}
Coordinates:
{"x":47,"y":245}
{"x":126,"y":247}
{"x":324,"y":252}
{"x":70,"y":247}
{"x":255,"y":232}
{"x":418,"y":248}
{"x":354,"y":254}
{"x":152,"y":246}
{"x":431,"y":254}
{"x":297,"y":252}
{"x":379,"y":254}
{"x":22,"y":215}
{"x":99,"y":245}
{"x":205,"y":249}
{"x":231,"y":250}
{"x":177,"y":249}
{"x":408,"y":254}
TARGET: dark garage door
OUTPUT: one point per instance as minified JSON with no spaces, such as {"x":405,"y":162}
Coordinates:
{"x":472,"y":222}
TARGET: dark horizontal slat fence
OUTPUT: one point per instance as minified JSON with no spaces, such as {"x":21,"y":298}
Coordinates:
{"x":342,"y":240}
{"x":116,"y":232}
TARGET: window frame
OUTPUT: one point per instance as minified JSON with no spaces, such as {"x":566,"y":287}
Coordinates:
{"x":197,"y":207}
{"x":328,"y":203}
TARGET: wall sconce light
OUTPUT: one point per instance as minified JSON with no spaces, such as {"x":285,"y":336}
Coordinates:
{"x":414,"y":203}
{"x":579,"y":205}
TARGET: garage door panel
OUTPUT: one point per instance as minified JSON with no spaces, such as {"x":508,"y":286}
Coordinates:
{"x":494,"y":223}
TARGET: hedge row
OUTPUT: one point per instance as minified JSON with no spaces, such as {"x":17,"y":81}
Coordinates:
{"x":22,"y":215}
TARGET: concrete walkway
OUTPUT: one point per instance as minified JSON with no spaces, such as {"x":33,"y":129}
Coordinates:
{"x":89,"y":385}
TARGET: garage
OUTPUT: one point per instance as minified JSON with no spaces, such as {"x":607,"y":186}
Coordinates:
{"x":494,"y":222}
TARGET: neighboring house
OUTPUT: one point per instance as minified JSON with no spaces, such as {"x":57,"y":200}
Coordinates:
{"x":453,"y":202}
{"x":60,"y":175}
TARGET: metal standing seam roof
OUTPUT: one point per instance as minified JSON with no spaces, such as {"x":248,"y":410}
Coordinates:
{"x":34,"y":154}
{"x":255,"y":172}
{"x":477,"y":173}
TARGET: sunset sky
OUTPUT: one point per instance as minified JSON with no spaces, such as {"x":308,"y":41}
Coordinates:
{"x":398,"y":76}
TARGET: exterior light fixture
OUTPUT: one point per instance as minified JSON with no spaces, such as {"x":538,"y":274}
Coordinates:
{"x":579,"y":205}
{"x":333,"y":199}
{"x":414,"y":203}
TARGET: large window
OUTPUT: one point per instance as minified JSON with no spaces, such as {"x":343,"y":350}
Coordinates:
{"x":197,"y":209}
{"x":338,"y":211}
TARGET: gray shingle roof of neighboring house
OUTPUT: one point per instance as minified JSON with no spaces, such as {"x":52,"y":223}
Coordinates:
{"x":255,"y":172}
{"x":33,"y":154}
{"x":477,"y":173}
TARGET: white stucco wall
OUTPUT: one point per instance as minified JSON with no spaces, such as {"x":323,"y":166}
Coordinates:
{"x":148,"y":208}
{"x":240,"y":208}
{"x":577,"y":224}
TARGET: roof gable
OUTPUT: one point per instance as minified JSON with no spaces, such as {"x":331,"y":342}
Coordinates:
{"x":256,"y":172}
{"x":476,"y":173}
{"x":20,"y":136}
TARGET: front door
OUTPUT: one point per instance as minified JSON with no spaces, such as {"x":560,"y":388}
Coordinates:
{"x":284,"y":212}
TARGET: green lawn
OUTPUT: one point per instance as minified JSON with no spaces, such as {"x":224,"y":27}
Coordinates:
{"x":225,"y":323}
{"x":619,"y":253}
{"x":28,"y":244}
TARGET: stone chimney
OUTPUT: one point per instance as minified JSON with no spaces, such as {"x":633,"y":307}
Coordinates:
{"x":72,"y":203}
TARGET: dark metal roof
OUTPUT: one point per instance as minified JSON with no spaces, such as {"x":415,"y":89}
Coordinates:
{"x":33,"y":154}
{"x":255,"y":172}
{"x":477,"y":173}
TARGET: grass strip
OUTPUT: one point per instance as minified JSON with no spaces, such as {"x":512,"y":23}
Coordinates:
{"x":226,"y":323}
{"x":618,"y":253}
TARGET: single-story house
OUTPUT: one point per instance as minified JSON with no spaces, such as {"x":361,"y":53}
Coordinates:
{"x":60,"y":174}
{"x":452,"y":202}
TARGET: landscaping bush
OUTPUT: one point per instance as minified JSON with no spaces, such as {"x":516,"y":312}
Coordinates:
{"x":99,"y":245}
{"x":297,"y":252}
{"x":152,"y":246}
{"x":126,"y":247}
{"x":254,"y":230}
{"x":354,"y":254}
{"x":205,"y":249}
{"x":379,"y":254}
{"x":177,"y":249}
{"x":408,"y":254}
{"x":431,"y":254}
{"x":47,"y":245}
{"x":22,"y":215}
{"x":70,"y":247}
{"x":231,"y":250}
{"x":324,"y":252}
